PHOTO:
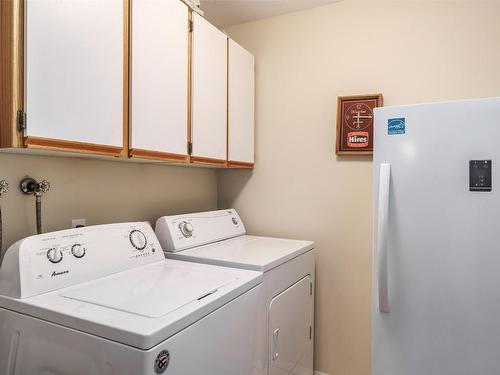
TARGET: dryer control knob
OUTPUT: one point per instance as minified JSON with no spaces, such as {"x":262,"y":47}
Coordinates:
{"x":138,"y":239}
{"x":54,"y":255}
{"x":186,"y":229}
{"x":77,"y":250}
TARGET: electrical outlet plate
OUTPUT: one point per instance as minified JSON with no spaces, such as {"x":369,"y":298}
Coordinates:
{"x":77,"y":223}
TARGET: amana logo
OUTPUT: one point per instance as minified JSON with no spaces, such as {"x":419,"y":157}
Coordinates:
{"x":59,"y":273}
{"x":357,"y":139}
{"x":162,"y":361}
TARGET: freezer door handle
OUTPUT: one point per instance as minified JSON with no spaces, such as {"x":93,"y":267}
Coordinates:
{"x":382,"y":236}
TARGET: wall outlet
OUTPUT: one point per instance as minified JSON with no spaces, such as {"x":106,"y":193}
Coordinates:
{"x":76,"y":223}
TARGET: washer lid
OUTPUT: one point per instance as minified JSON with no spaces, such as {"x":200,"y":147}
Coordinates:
{"x":247,"y":252}
{"x":151,"y":294}
{"x":127,"y":307}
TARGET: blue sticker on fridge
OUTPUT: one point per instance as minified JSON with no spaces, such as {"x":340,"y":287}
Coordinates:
{"x":396,"y":126}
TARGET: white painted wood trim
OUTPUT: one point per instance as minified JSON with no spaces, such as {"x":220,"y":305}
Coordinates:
{"x":320,"y":373}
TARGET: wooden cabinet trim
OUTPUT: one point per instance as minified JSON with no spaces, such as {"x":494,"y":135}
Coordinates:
{"x":72,"y":146}
{"x":158,"y":155}
{"x":240,"y":164}
{"x":11,"y":73}
{"x":208,"y":161}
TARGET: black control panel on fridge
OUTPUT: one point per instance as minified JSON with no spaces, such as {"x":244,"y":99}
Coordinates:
{"x":480,"y":175}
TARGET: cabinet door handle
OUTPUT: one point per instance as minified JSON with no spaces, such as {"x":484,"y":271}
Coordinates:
{"x":382,"y":236}
{"x":276,"y":342}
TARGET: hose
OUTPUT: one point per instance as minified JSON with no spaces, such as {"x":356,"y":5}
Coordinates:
{"x":29,"y":186}
{"x":38,"y":198}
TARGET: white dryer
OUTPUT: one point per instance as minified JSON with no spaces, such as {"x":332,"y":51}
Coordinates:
{"x":104,"y":300}
{"x":287,"y":309}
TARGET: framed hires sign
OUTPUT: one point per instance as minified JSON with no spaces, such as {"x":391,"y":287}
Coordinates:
{"x":355,"y":124}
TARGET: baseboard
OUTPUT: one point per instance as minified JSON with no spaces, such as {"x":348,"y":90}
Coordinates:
{"x":319,"y":373}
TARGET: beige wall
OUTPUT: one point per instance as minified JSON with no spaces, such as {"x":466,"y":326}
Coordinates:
{"x":409,"y":51}
{"x":100,"y":191}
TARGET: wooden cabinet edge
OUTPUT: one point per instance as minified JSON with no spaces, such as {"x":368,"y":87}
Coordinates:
{"x":11,"y":73}
{"x":209,"y":161}
{"x":72,"y":146}
{"x":240,"y":164}
{"x":158,"y":155}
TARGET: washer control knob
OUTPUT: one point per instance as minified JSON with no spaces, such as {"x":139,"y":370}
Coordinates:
{"x":138,"y":239}
{"x":186,"y":229}
{"x":77,"y":250}
{"x":234,"y":220}
{"x":54,"y":255}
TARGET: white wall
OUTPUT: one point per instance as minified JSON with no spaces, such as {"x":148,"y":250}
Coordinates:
{"x":411,"y":51}
{"x":99,"y":191}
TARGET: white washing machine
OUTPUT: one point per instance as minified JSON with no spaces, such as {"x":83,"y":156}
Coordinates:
{"x":287,"y":309}
{"x":104,"y":300}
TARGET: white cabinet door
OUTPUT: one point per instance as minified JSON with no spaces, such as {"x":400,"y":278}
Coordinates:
{"x":241,"y":104}
{"x":209,"y":96}
{"x":74,"y":70}
{"x":290,"y":330}
{"x":159,"y":78}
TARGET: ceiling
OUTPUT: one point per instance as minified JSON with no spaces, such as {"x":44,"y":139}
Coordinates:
{"x":224,"y":13}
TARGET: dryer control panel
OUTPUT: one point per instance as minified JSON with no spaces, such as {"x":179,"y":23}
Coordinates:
{"x":181,"y":232}
{"x":50,"y":261}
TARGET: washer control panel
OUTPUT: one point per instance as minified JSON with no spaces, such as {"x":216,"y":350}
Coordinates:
{"x":181,"y":232}
{"x":59,"y":259}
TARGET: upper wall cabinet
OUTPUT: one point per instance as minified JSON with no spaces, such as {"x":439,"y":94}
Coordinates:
{"x":74,"y":72}
{"x":159,"y":80}
{"x":209,"y":93}
{"x":241,"y":107}
{"x":145,"y":79}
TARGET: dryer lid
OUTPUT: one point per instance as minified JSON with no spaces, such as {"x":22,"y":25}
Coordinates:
{"x":247,"y":252}
{"x":154,"y":293}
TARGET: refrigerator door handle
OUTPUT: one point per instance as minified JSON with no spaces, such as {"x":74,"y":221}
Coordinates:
{"x":382,"y":236}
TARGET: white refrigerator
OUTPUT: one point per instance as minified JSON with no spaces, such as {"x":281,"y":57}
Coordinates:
{"x":436,"y":274}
